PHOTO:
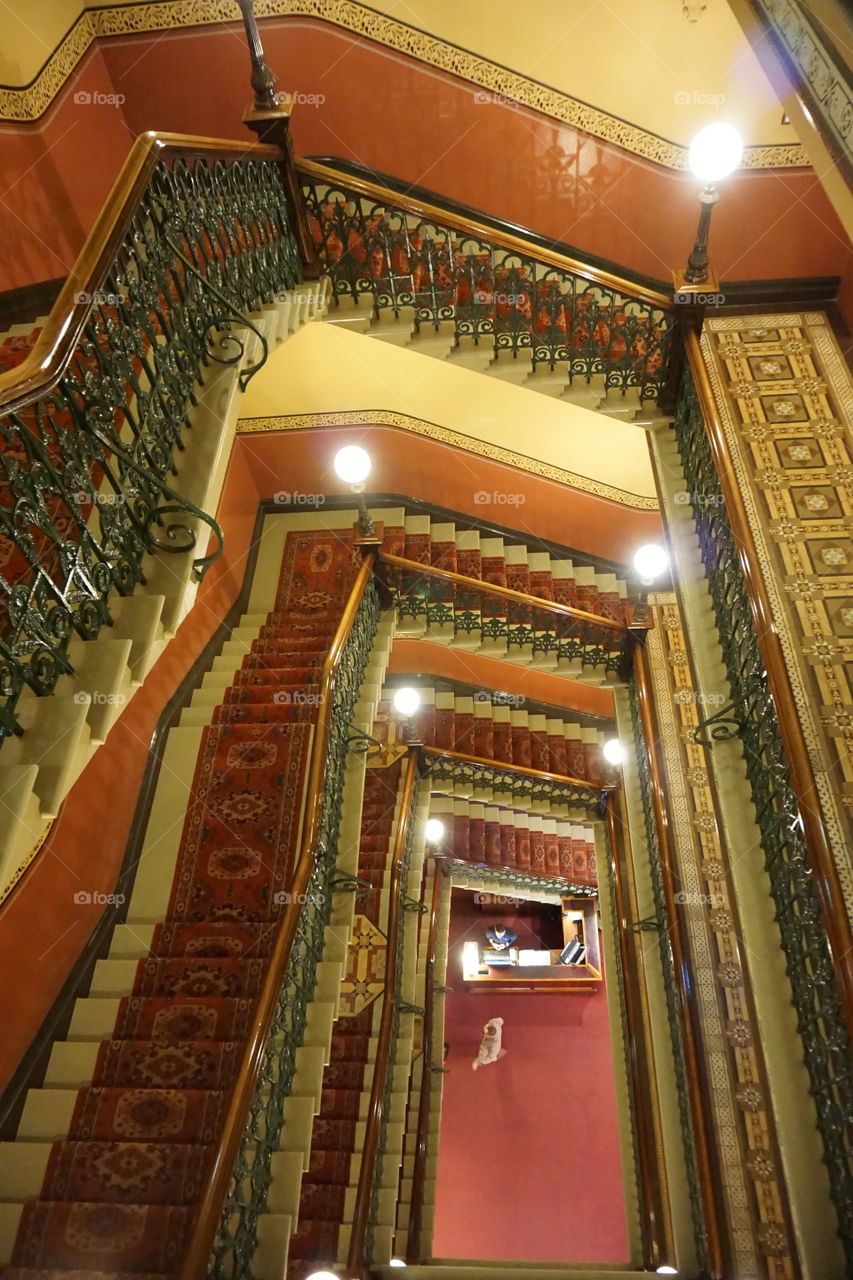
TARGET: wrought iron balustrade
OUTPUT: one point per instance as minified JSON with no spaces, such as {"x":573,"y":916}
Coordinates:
{"x":390,"y":252}
{"x":793,"y":883}
{"x":441,"y":598}
{"x":196,"y":234}
{"x":229,"y":1214}
{"x":524,"y":786}
{"x":509,"y":883}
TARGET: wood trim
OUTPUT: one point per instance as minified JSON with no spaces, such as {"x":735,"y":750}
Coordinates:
{"x":440,"y":752}
{"x":655,"y":1218}
{"x":699,"y":1093}
{"x":46,"y":363}
{"x":31,"y":1070}
{"x":827,"y":884}
{"x":507,"y":593}
{"x":220,"y":1172}
{"x":356,"y":1261}
{"x":413,"y":1248}
{"x":471,"y":227}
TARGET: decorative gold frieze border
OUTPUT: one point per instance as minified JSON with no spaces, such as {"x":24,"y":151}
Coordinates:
{"x":419,"y":427}
{"x":785,"y":399}
{"x":756,"y":1207}
{"x":7,"y":888}
{"x":31,"y":101}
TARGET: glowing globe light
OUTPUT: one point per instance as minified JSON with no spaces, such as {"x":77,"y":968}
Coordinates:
{"x":406,"y":701}
{"x":434,"y":830}
{"x":352,"y":464}
{"x":323,"y":1275}
{"x":715,"y":152}
{"x":613,"y":751}
{"x":396,"y":1262}
{"x":650,"y":562}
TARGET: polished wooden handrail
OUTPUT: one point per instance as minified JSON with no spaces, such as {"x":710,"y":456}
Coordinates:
{"x":539,"y":774}
{"x":54,"y":347}
{"x":219,"y":1175}
{"x":836,"y":920}
{"x":698,"y":1084}
{"x":506,"y":593}
{"x":421,"y":1153}
{"x":656,"y":1223}
{"x":471,"y":227}
{"x":356,"y":1261}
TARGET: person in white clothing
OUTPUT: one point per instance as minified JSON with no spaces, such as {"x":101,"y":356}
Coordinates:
{"x":490,"y":1046}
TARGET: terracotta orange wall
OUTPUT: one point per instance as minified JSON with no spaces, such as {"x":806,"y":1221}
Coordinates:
{"x":301,"y":461}
{"x":42,"y":929}
{"x":422,"y":657}
{"x":55,"y":175}
{"x":507,"y":161}
{"x":427,"y":128}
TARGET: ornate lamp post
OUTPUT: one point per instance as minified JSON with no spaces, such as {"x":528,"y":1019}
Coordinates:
{"x":714,"y":153}
{"x":352,"y":465}
{"x":650,"y":563}
{"x":263,"y":80}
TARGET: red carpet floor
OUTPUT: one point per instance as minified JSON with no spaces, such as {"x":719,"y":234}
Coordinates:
{"x":528,"y":1158}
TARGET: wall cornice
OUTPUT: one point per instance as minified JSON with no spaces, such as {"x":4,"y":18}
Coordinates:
{"x":28,"y":103}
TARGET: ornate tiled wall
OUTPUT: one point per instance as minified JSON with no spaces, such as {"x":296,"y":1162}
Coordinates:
{"x":786,"y":401}
{"x":759,"y":1225}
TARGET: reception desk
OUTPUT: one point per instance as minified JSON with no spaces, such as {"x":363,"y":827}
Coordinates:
{"x":488,"y":971}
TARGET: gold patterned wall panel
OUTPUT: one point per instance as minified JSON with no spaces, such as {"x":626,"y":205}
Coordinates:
{"x":756,"y":1207}
{"x":786,"y":401}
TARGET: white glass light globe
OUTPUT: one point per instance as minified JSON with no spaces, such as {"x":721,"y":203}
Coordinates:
{"x":667,"y":1270}
{"x":715,"y":152}
{"x":406,"y":701}
{"x":434,"y":830}
{"x":397,"y":1262}
{"x":352,"y":464}
{"x":650,"y":562}
{"x":613,"y":751}
{"x":323,"y":1275}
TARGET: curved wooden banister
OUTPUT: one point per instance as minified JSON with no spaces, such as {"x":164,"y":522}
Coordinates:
{"x":356,"y":1261}
{"x":413,"y":1245}
{"x":482,"y":231}
{"x":539,"y":774}
{"x":53,"y":349}
{"x":836,"y":920}
{"x":219,"y":1175}
{"x":580,"y":616}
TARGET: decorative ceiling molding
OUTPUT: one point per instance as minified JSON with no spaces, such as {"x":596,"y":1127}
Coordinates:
{"x":30,"y":102}
{"x":419,"y":427}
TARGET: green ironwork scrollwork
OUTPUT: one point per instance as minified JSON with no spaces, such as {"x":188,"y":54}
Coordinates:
{"x":388,"y":258}
{"x":523,"y":788}
{"x":658,"y":923}
{"x":816,"y":998}
{"x":519,"y":882}
{"x":237,"y":1237}
{"x":86,"y":469}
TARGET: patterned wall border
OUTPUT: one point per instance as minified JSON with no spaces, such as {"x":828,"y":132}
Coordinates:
{"x":22,"y":866}
{"x":419,"y":427}
{"x":800,"y":518}
{"x":756,"y":1207}
{"x":31,"y":101}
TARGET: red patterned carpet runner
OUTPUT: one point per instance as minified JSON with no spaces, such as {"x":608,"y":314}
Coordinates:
{"x":120,"y":1191}
{"x":324,"y":1185}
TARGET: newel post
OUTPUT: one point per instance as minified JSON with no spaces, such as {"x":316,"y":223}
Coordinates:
{"x":269,"y":119}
